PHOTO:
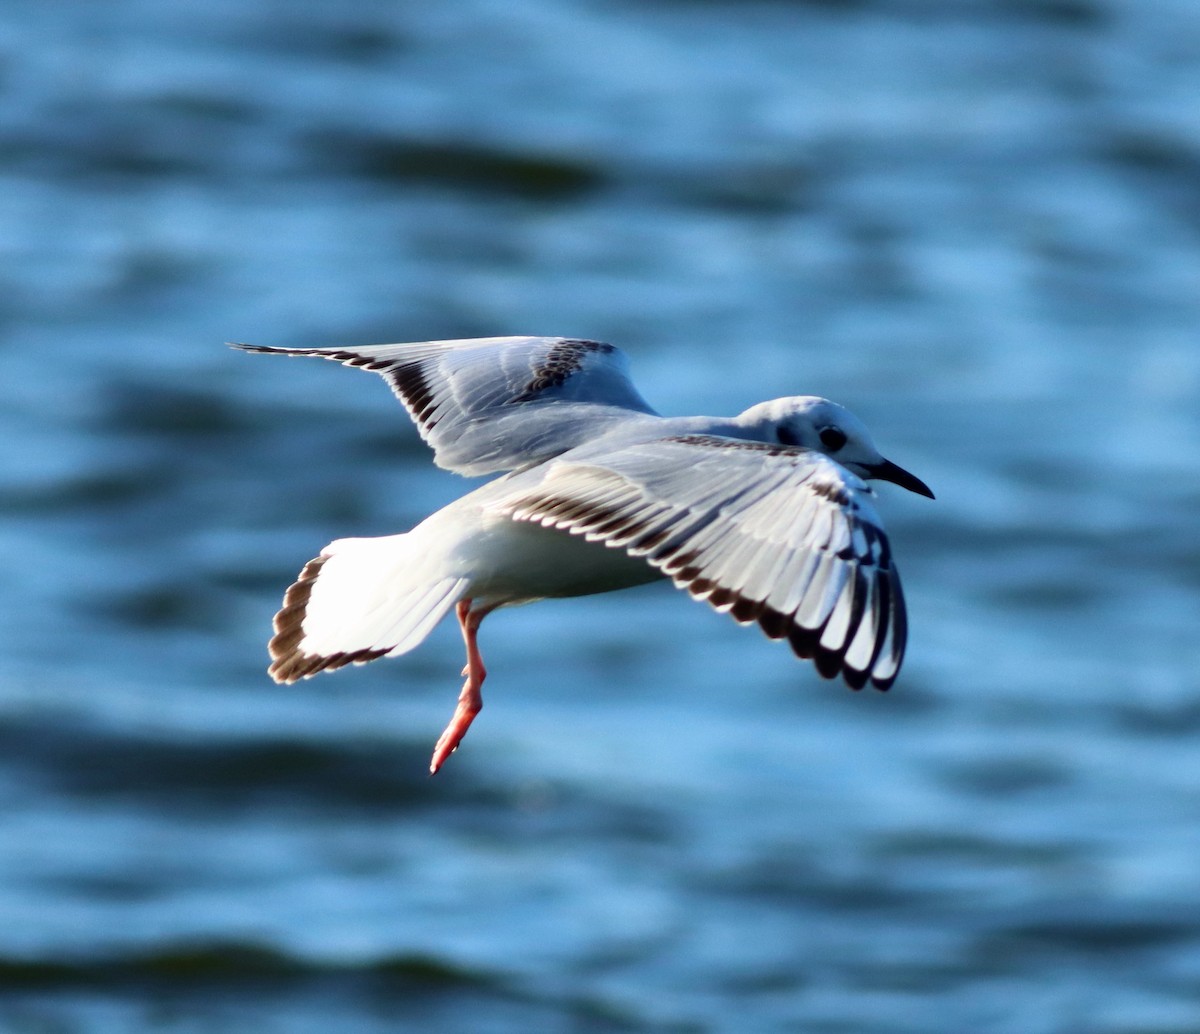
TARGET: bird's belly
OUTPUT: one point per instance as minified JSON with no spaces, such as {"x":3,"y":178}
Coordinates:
{"x":526,"y":562}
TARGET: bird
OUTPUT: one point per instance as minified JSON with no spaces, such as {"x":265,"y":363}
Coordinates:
{"x":766,"y":516}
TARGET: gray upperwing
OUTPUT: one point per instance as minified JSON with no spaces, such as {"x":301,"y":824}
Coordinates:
{"x":493,"y":404}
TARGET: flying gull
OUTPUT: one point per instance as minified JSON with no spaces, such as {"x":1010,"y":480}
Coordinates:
{"x":766,"y":516}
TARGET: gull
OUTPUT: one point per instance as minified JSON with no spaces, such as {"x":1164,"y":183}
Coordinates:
{"x":766,"y":516}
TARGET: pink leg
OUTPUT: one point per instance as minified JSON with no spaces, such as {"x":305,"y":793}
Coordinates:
{"x":470,"y":700}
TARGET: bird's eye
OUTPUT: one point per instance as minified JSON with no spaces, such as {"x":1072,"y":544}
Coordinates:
{"x":832,"y":438}
{"x":787,"y":436}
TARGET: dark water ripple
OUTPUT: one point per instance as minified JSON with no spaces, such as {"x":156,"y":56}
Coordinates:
{"x":153,"y":772}
{"x":254,"y":985}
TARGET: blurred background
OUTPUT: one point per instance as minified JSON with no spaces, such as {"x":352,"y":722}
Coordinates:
{"x":974,"y":222}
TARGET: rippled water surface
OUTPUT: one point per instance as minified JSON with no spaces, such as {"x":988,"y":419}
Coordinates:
{"x":975,"y":223}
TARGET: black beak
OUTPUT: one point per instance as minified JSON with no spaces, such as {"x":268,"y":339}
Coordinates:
{"x":888,"y":471}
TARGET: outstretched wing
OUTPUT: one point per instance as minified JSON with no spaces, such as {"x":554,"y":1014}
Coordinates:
{"x":490,"y":404}
{"x":778,"y":535}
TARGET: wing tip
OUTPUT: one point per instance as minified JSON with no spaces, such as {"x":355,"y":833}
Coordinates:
{"x":880,"y":671}
{"x":243,"y":346}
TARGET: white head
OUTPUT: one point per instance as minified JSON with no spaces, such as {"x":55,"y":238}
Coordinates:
{"x":809,"y":422}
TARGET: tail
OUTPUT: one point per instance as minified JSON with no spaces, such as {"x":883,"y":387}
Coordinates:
{"x":359,"y":600}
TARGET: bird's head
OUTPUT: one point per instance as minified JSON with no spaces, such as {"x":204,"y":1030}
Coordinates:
{"x":809,"y":422}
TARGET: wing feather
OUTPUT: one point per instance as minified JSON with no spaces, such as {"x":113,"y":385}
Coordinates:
{"x":774,"y":534}
{"x":493,"y":404}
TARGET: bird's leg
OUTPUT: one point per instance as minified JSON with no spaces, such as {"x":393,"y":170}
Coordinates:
{"x":470,"y":700}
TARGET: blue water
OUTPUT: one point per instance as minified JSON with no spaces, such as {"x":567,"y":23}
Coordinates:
{"x":974,"y":222}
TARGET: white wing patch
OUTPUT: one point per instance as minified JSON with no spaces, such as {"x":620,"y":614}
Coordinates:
{"x":770,"y":534}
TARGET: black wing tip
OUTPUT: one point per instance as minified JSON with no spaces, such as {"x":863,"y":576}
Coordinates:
{"x":242,"y":346}
{"x":854,"y":678}
{"x":805,"y":643}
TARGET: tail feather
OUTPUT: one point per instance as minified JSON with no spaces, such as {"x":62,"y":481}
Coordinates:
{"x":361,"y":599}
